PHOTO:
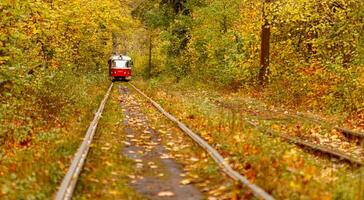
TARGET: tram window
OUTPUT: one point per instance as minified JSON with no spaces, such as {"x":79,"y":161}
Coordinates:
{"x":119,"y":64}
{"x":128,"y":64}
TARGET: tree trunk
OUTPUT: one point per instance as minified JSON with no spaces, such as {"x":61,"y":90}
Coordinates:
{"x":264,"y":51}
{"x":149,"y":70}
{"x":123,"y":45}
{"x":115,"y":44}
{"x":264,"y":55}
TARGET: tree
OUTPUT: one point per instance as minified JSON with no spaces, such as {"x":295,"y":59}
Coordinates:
{"x":265,"y":45}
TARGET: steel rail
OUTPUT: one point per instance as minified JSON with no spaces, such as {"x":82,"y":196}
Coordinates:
{"x":65,"y":191}
{"x":313,"y":120}
{"x":333,"y":126}
{"x":258,"y":192}
{"x":350,"y":132}
{"x":299,"y":141}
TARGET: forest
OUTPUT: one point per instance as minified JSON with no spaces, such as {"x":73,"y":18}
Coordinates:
{"x":301,"y":51}
{"x":293,"y":55}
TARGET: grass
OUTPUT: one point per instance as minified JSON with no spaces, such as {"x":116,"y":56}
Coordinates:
{"x":286,"y":171}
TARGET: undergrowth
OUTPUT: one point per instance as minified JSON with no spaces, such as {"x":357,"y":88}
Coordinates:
{"x":42,"y":124}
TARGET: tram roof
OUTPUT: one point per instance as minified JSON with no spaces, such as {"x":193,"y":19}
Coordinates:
{"x":120,"y":57}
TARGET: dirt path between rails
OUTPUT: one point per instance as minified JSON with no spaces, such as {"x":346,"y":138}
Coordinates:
{"x":158,"y":176}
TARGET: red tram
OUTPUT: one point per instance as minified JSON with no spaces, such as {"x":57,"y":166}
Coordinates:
{"x":120,"y":67}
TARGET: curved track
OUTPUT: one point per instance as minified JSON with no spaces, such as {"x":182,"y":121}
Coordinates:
{"x":323,"y":122}
{"x":304,"y":117}
{"x":315,"y":147}
{"x":326,"y":149}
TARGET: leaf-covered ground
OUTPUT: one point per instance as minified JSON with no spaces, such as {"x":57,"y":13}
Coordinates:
{"x":285,"y":170}
{"x":138,"y":154}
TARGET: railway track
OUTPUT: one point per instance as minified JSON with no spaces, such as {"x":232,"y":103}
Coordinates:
{"x":65,"y":191}
{"x":322,"y":122}
{"x":69,"y":181}
{"x":302,"y":116}
{"x":295,"y":140}
{"x":326,"y":149}
{"x":216,"y":156}
{"x":307,"y":144}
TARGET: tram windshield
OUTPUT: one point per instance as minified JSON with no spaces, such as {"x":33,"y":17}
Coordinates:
{"x":120,"y":64}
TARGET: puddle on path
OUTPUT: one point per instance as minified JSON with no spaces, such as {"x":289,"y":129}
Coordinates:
{"x":158,"y":176}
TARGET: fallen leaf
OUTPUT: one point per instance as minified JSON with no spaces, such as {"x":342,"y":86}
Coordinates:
{"x":132,"y":176}
{"x":185,"y":181}
{"x":105,"y":148}
{"x":165,"y":194}
{"x":114,"y":192}
{"x":194,"y":159}
{"x":165,"y":156}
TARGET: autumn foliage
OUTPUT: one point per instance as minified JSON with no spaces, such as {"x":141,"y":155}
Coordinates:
{"x":316,"y":47}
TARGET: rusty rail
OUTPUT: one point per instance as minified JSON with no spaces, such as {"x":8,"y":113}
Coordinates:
{"x":302,"y":142}
{"x":323,"y":122}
